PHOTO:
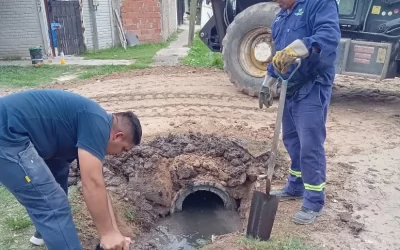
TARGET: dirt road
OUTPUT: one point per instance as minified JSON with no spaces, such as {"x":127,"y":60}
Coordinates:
{"x":363,"y":192}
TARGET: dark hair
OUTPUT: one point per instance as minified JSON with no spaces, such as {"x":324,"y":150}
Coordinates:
{"x":135,"y":125}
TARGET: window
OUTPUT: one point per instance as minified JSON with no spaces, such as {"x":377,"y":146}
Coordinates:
{"x":346,"y":7}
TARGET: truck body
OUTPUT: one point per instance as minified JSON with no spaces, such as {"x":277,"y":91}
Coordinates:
{"x":240,"y":30}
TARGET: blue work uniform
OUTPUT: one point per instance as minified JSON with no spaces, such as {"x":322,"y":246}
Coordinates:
{"x":316,"y":24}
{"x":40,"y":133}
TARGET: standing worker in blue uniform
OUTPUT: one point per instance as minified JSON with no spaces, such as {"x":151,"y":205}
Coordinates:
{"x":306,"y":29}
{"x":41,"y":132}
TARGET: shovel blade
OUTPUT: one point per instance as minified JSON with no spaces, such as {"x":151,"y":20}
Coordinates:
{"x":262,"y":215}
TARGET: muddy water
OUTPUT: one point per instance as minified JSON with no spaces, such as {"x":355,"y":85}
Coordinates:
{"x":203,"y":215}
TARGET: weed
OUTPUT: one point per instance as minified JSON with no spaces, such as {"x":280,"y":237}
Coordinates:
{"x":276,"y":244}
{"x":17,"y":223}
{"x":200,"y":56}
{"x":130,"y":215}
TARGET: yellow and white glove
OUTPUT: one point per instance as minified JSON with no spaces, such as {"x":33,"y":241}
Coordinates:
{"x":285,"y":57}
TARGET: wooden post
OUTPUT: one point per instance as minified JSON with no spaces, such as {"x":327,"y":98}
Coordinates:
{"x":93,"y":10}
{"x":193,"y":10}
{"x":198,"y":11}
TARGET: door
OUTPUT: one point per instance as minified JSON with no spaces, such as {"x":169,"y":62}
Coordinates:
{"x":66,"y":15}
{"x":181,"y":10}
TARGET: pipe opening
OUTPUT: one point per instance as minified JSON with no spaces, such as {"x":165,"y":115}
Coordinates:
{"x":202,"y":200}
{"x":210,"y":191}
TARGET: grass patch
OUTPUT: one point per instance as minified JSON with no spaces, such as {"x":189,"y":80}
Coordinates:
{"x":18,"y":76}
{"x":142,"y":53}
{"x":109,"y":69}
{"x":277,"y":244}
{"x":201,"y":56}
{"x":15,"y":226}
{"x":130,"y":215}
{"x":17,"y":223}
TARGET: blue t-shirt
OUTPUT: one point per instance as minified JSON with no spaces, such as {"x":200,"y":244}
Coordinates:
{"x":57,"y":122}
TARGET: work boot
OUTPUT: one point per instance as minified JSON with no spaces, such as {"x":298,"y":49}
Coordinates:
{"x":305,"y":216}
{"x":283,"y":195}
{"x":36,"y":239}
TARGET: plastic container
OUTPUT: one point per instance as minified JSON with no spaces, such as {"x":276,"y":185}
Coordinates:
{"x":36,"y":55}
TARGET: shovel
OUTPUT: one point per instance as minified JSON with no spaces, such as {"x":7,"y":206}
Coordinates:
{"x":263,"y":205}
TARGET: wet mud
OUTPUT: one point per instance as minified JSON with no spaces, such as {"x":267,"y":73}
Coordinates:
{"x":153,"y":173}
{"x":150,"y":175}
{"x":202,"y":219}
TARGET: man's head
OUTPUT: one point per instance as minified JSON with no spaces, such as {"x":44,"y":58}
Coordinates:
{"x":286,"y":4}
{"x":126,"y":132}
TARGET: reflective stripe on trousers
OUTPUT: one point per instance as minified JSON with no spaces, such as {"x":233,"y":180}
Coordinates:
{"x":304,"y":134}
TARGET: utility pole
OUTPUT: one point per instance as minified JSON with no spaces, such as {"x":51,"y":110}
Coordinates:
{"x":193,"y":10}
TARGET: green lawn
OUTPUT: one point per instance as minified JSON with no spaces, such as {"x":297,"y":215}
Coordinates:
{"x":18,"y":76}
{"x":277,"y":244}
{"x":142,"y":53}
{"x":200,"y":56}
{"x":16,"y":227}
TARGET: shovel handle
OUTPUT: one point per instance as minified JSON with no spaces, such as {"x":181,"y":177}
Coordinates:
{"x":278,"y":123}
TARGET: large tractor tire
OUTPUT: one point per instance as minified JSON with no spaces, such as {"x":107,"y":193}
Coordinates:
{"x":247,"y":46}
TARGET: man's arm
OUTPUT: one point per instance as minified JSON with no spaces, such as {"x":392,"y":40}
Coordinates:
{"x":94,"y":191}
{"x":326,"y":31}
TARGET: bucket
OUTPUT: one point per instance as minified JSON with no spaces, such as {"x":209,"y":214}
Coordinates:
{"x":36,"y":55}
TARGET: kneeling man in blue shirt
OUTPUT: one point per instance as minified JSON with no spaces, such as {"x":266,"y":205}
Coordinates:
{"x":41,"y":133}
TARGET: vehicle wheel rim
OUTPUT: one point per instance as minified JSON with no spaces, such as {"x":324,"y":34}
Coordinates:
{"x":255,"y":49}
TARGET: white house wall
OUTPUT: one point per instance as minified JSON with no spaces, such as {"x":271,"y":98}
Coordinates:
{"x":104,"y":21}
{"x":20,"y":28}
{"x":104,"y":24}
{"x":87,"y":24}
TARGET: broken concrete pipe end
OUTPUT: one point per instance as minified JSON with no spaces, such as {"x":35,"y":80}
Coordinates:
{"x":216,"y":188}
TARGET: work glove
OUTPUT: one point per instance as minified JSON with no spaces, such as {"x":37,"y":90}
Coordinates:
{"x":288,"y":55}
{"x":266,"y":96}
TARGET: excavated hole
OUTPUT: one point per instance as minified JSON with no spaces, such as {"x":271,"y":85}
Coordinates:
{"x":158,"y":176}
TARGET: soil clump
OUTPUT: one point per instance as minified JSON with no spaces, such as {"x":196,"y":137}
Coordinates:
{"x":150,"y":175}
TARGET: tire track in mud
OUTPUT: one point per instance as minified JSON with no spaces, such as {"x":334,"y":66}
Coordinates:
{"x":163,"y":96}
{"x":178,"y":103}
{"x":197,"y":110}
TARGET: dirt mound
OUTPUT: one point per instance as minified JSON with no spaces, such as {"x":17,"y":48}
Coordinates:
{"x":151,"y":175}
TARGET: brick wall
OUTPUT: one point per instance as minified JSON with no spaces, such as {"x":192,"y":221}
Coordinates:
{"x":19,"y":28}
{"x":144,"y":18}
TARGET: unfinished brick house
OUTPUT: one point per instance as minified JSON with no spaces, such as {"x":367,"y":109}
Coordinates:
{"x":150,"y":20}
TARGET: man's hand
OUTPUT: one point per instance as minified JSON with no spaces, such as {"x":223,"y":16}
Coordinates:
{"x":288,"y":55}
{"x":115,"y":241}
